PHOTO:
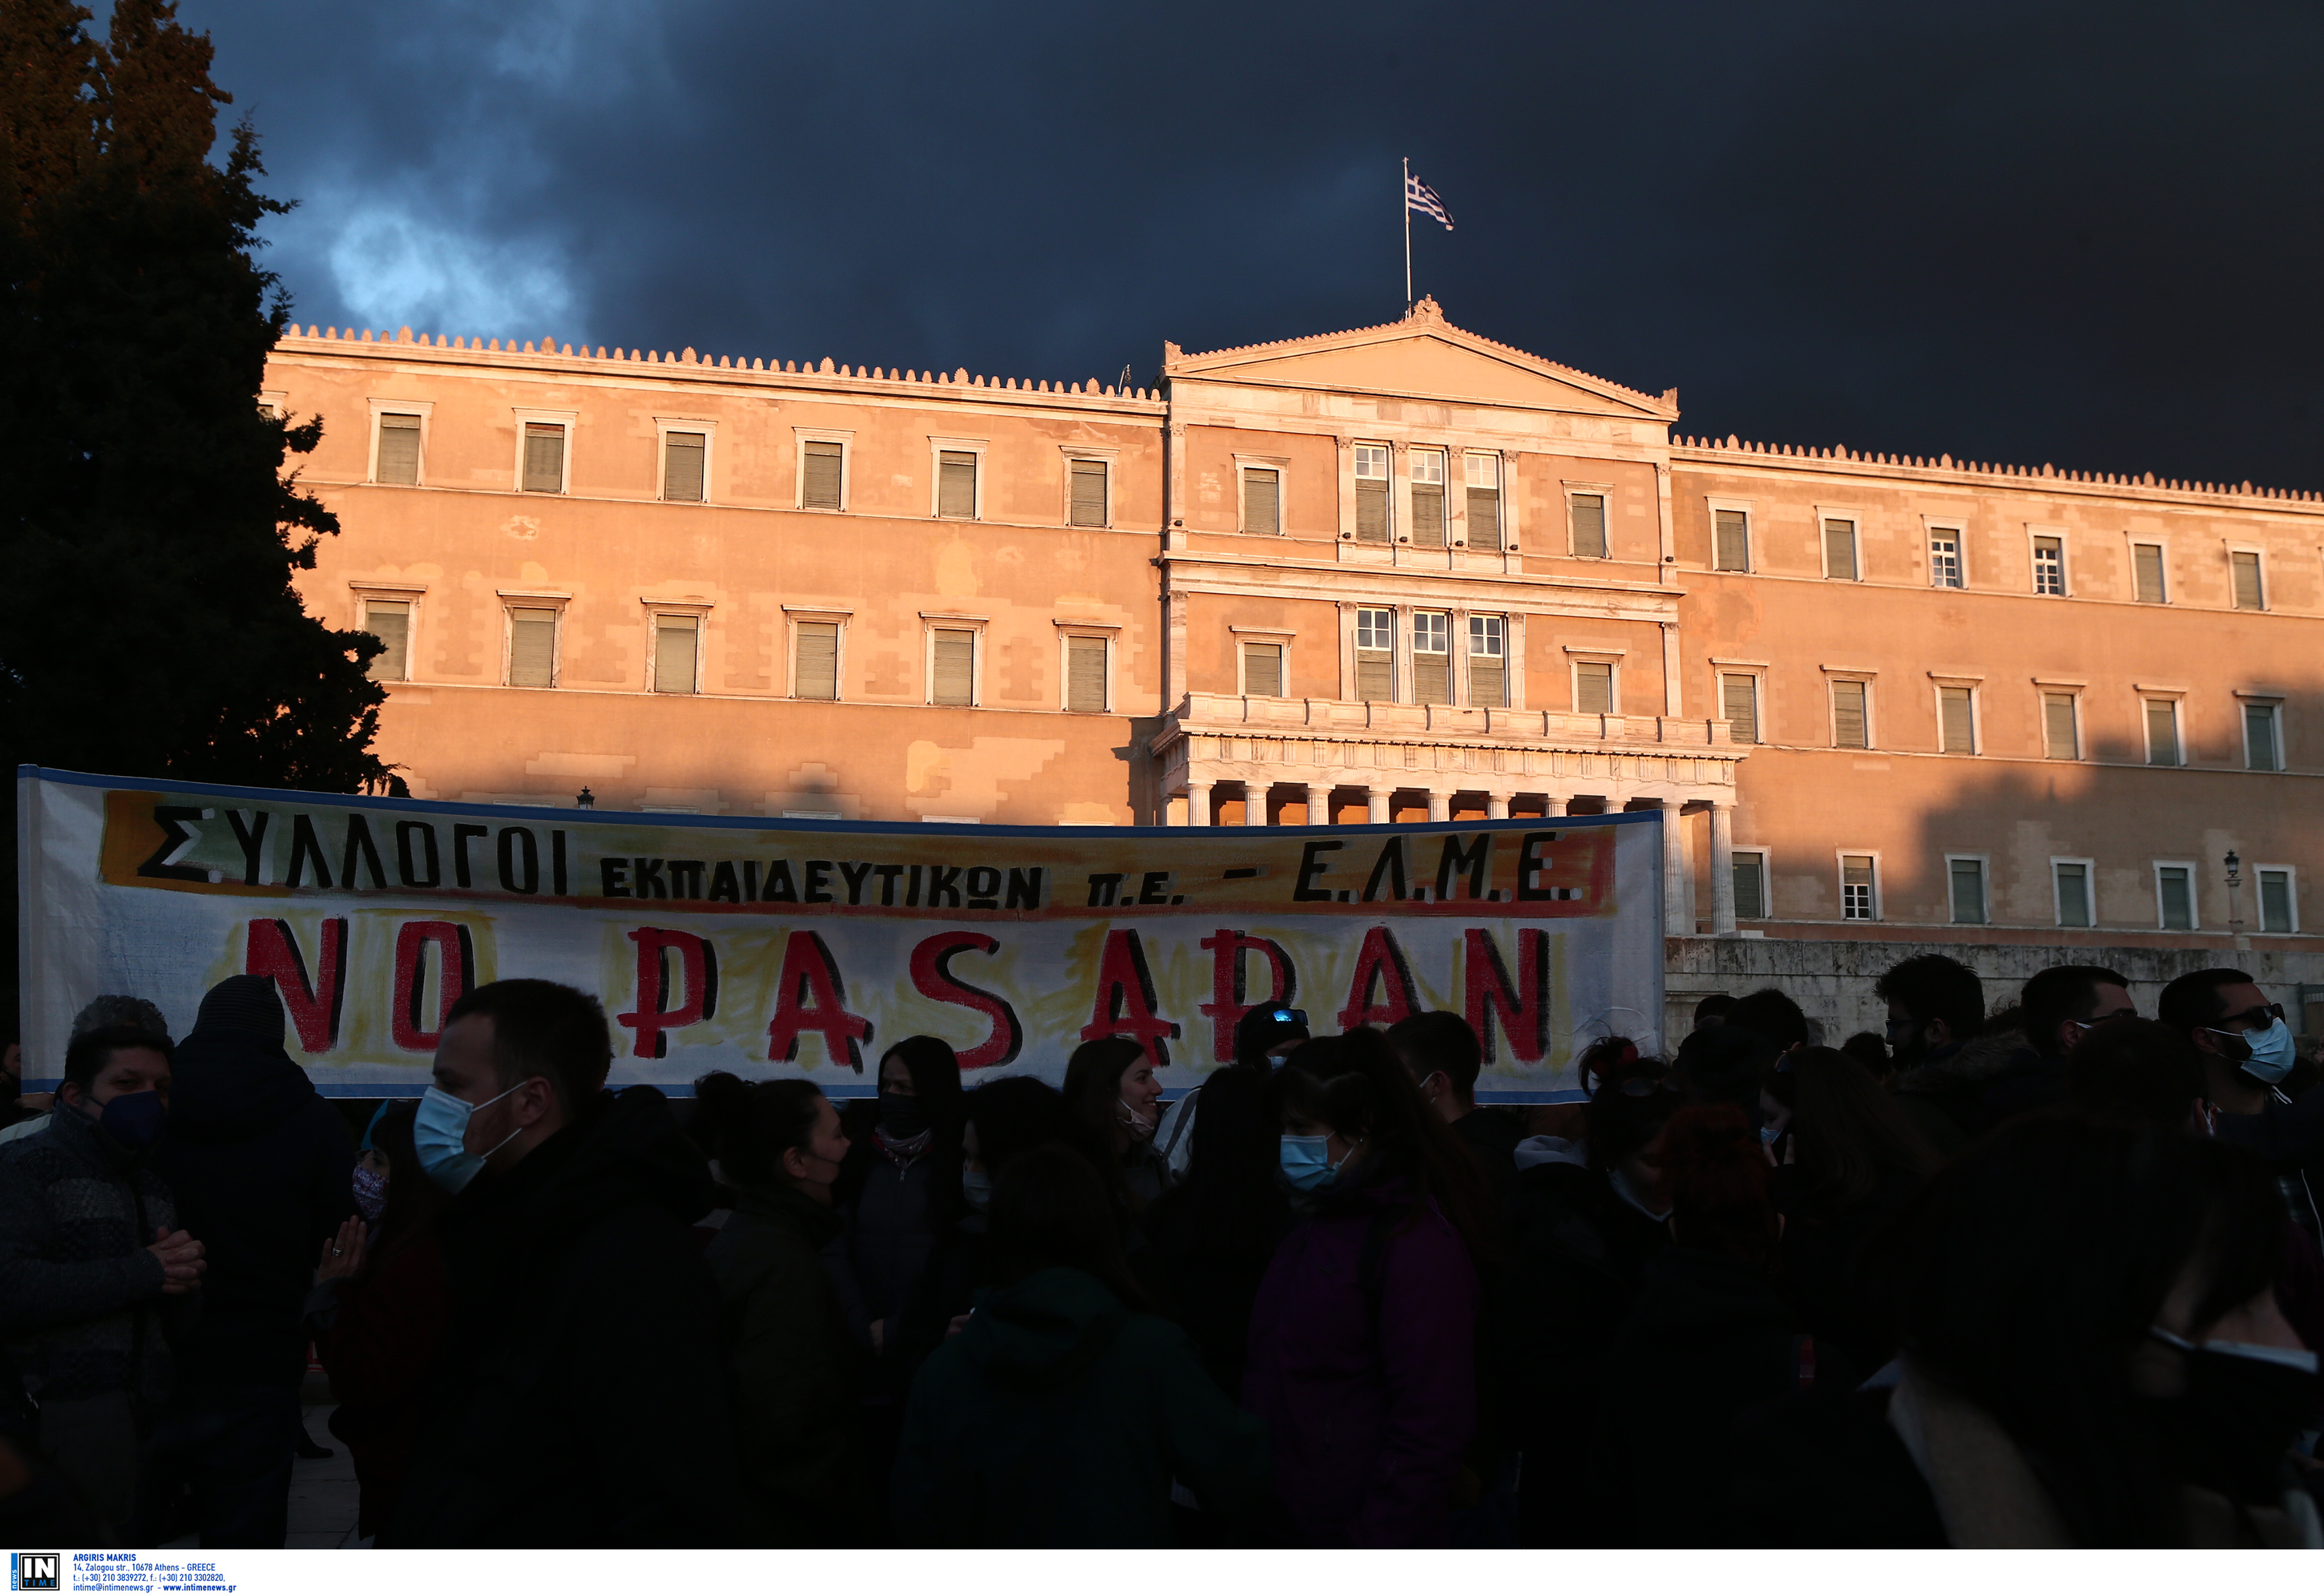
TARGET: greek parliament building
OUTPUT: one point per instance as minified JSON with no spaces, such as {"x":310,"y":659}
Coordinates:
{"x":1397,"y":574}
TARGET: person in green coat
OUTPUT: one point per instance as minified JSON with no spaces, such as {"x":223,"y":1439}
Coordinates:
{"x":1061,"y":1414}
{"x":778,"y":1147}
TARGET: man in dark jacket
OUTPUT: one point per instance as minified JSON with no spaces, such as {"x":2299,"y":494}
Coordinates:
{"x":1441,"y":1052}
{"x":262,"y":1166}
{"x":582,"y":1397}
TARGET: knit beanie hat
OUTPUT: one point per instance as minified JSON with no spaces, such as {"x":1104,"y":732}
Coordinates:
{"x":249,"y":1004}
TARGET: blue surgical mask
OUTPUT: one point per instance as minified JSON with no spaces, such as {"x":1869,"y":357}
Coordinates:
{"x":1306,"y":1162}
{"x":976,"y":1189}
{"x":1769,"y":1135}
{"x":2270,"y":1054}
{"x":133,"y":1119}
{"x":440,"y":1133}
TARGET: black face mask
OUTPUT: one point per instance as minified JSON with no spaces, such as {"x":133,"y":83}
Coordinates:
{"x":2236,"y":1419}
{"x":903,"y":1118}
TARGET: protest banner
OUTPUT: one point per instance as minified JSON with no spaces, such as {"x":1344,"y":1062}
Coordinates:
{"x":807,"y":948}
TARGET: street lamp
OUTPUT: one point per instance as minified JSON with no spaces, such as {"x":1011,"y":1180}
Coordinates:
{"x":585,"y":799}
{"x":2235,"y":890}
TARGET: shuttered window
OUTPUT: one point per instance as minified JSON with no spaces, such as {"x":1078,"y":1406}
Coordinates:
{"x":1085,"y":674}
{"x":1731,"y":532}
{"x":1750,"y":870}
{"x":953,"y":662}
{"x":822,"y":475}
{"x":398,"y":450}
{"x":1262,"y":670}
{"x":1262,"y":500}
{"x":1432,"y":657}
{"x":1857,"y":901}
{"x":1851,"y":727}
{"x":390,"y":623}
{"x":1588,"y":510}
{"x":1956,"y":721}
{"x":1968,"y":890}
{"x":1593,"y":687}
{"x":2162,"y":732}
{"x":1484,"y":507}
{"x":544,"y":458}
{"x":677,"y":640}
{"x":1376,"y":656}
{"x":2275,"y":905}
{"x":1739,"y":702}
{"x":818,"y":667}
{"x":2174,"y":888}
{"x":1371,"y":494}
{"x":2261,"y":752}
{"x":2073,"y":878}
{"x":682,"y":456}
{"x":1840,"y":551}
{"x":1428,"y":498}
{"x":2050,"y":567}
{"x":2248,"y":595}
{"x":532,"y":648}
{"x":2147,"y":558}
{"x":1489,"y":674}
{"x":1086,"y":506}
{"x":956,"y":484}
{"x":2061,"y":738}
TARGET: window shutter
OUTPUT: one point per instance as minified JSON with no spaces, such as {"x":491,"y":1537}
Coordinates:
{"x":1432,"y":679}
{"x":1956,"y":724}
{"x":2148,"y":559}
{"x":2275,"y":900}
{"x":2162,"y":732}
{"x":1428,"y":514}
{"x":1969,"y":891}
{"x":1840,"y":549}
{"x":2074,"y":895}
{"x":1262,"y":670}
{"x":1375,"y":675}
{"x":956,"y":667}
{"x":2248,"y":589}
{"x":1262,"y":501}
{"x":820,"y":476}
{"x":1088,"y":508}
{"x":1371,"y":509}
{"x":1488,"y":681}
{"x":532,"y":648}
{"x":1732,"y":541}
{"x":2259,"y":735}
{"x":398,"y":450}
{"x":1740,"y":702}
{"x":956,"y":484}
{"x":392,"y":625}
{"x":681,"y":466}
{"x":1750,"y":888}
{"x":1085,"y":674}
{"x":2058,"y":726}
{"x":1485,"y":518}
{"x":544,"y":458}
{"x":1849,"y":726}
{"x":2178,"y":900}
{"x":1593,"y":688}
{"x":1589,"y":525}
{"x":675,"y":644}
{"x":818,"y":660}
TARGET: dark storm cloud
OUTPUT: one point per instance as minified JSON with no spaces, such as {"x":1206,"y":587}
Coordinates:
{"x":2089,"y":234}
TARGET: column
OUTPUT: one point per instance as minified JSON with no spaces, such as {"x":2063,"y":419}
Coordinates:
{"x":1722,"y":869}
{"x":1496,"y":806}
{"x":1254,"y":803}
{"x":1377,"y":801}
{"x":1677,"y":897}
{"x":1198,"y":803}
{"x":1319,"y":804}
{"x":1440,"y":804}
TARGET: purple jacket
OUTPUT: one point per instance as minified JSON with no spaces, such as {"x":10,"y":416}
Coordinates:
{"x":1368,"y":1421}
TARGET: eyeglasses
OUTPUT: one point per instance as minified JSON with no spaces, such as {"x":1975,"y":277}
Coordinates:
{"x":2259,"y":1019}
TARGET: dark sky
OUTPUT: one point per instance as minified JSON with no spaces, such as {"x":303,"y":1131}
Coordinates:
{"x":2090,"y":234}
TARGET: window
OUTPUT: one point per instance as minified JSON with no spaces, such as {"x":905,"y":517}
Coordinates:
{"x":1593,"y":686}
{"x":1432,"y":656}
{"x":1371,"y":493}
{"x":823,"y":478}
{"x":1085,"y":494}
{"x":1750,"y":872}
{"x":1731,"y":540}
{"x":952,"y":667}
{"x":1852,"y":726}
{"x":1589,"y":513}
{"x":2071,"y":879}
{"x":1965,"y":881}
{"x":956,"y":484}
{"x":2050,"y":567}
{"x":2246,"y":567}
{"x":682,"y":458}
{"x":2263,"y":748}
{"x":2277,"y":910}
{"x":1489,"y":672}
{"x":1262,"y":500}
{"x":398,"y":450}
{"x":2163,"y":731}
{"x":1945,"y":557}
{"x":390,"y":621}
{"x":1085,"y":674}
{"x":1738,"y":701}
{"x":1262,"y":670}
{"x":1427,"y":498}
{"x":2060,"y":734}
{"x":817,"y":666}
{"x":1956,"y":720}
{"x":1484,"y":474}
{"x":1840,"y":551}
{"x":2146,"y":563}
{"x":677,"y":640}
{"x":2174,"y":895}
{"x":1376,"y":655}
{"x":532,"y":648}
{"x":544,"y":458}
{"x":1856,"y":899}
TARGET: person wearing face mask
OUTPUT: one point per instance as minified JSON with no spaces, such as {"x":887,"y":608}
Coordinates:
{"x":899,"y":1191}
{"x":779,"y":1145}
{"x":31,"y":1110}
{"x":2247,"y":1054}
{"x":1116,"y":1104}
{"x":96,"y":1273}
{"x":581,"y":1398}
{"x":1264,"y":1036}
{"x":1442,"y":1051}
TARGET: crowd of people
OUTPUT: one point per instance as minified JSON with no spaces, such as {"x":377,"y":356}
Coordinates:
{"x":2040,"y":1274}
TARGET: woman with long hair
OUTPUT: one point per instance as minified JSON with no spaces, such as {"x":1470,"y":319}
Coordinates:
{"x":1116,"y":1104}
{"x":1363,"y":1338}
{"x":899,"y":1191}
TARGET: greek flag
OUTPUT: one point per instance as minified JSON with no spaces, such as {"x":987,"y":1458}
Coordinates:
{"x":1418,"y":196}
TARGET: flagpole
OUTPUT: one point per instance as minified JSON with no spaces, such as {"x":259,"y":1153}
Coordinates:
{"x":1407,"y":234}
